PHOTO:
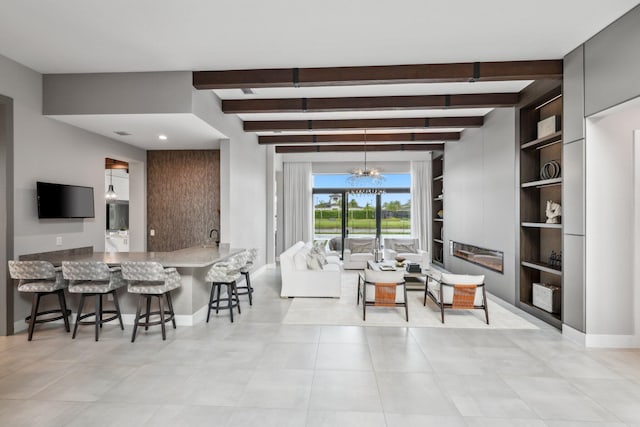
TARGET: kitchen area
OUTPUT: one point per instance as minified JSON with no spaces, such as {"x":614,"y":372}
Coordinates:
{"x":116,"y":190}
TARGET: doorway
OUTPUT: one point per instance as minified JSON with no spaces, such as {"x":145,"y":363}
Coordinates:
{"x":117,"y":237}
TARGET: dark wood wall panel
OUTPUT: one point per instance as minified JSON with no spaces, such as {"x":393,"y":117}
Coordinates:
{"x":183,"y":197}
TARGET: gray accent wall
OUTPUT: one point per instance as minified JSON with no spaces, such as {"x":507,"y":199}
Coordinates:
{"x":480,"y":197}
{"x":612,"y":64}
{"x":117,"y":93}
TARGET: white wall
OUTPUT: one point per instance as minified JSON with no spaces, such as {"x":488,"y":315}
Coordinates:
{"x":45,"y":149}
{"x":480,"y":197}
{"x":610,"y":221}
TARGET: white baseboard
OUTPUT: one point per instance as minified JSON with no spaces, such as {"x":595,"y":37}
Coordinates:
{"x":613,"y":341}
{"x":600,"y":340}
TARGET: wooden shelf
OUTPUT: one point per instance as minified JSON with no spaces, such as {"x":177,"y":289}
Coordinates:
{"x":439,"y":219}
{"x":537,"y":238}
{"x":542,"y":183}
{"x":542,"y":267}
{"x":554,"y":138}
{"x":541,"y":225}
{"x":438,"y":241}
{"x":551,"y":318}
{"x":439,"y":178}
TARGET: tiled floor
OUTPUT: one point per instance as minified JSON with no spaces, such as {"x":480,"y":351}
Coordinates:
{"x":258,"y":372}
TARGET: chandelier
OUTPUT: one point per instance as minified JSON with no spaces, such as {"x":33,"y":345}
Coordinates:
{"x":365,"y":178}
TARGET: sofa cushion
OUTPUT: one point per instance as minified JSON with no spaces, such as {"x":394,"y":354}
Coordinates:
{"x":300,"y":260}
{"x":333,"y":259}
{"x":361,"y":248}
{"x":408,"y":248}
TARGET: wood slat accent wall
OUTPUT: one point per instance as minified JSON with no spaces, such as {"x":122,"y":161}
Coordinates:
{"x":183,"y":197}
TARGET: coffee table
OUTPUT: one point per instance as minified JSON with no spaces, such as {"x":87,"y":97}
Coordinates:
{"x":413,"y":281}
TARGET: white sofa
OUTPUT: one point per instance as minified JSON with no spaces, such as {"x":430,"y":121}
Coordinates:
{"x":420,"y":256}
{"x":358,"y":260}
{"x":300,"y":281}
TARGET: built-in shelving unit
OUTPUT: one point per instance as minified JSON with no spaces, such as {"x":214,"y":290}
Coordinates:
{"x":437,"y":213}
{"x":539,"y":239}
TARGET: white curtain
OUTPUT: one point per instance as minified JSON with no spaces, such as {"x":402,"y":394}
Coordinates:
{"x":421,"y":202}
{"x":298,"y":224}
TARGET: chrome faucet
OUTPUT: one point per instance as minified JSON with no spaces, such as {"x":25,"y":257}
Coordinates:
{"x":217,"y":236}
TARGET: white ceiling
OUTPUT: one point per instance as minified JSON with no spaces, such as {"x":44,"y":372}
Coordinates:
{"x":183,"y":131}
{"x":83,"y":36}
{"x":153,"y":35}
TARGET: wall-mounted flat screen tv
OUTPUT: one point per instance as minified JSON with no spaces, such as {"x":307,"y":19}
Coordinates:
{"x":64,"y":201}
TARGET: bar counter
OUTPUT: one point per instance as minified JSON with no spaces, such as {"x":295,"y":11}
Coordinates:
{"x":189,"y":301}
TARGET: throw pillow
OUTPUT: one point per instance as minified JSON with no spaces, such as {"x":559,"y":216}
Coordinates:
{"x":321,"y":254}
{"x":320,"y":245}
{"x":361,"y":248}
{"x":313,"y":262}
{"x":405,"y":248}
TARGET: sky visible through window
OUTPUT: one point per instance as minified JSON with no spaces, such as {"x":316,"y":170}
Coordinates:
{"x":396,"y":180}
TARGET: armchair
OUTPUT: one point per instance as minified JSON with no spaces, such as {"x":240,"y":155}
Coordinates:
{"x":456,"y":291}
{"x":407,"y":248}
{"x":382,"y":289}
{"x":357,"y":251}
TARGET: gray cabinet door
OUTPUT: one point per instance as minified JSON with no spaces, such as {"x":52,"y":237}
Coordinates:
{"x":573,"y":304}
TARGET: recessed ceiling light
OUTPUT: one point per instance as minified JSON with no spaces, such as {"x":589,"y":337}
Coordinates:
{"x":247,"y":91}
{"x":121,"y":132}
{"x":162,"y":137}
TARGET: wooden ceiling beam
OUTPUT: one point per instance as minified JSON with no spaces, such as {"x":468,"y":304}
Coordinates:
{"x":370,"y":103}
{"x":403,"y":123}
{"x":385,"y":74}
{"x":358,"y":137}
{"x":356,"y":148}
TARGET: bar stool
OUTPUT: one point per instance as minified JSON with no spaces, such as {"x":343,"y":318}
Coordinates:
{"x":249,"y":256}
{"x":150,"y":279}
{"x":93,"y":278}
{"x":224,"y":274}
{"x":41,"y":278}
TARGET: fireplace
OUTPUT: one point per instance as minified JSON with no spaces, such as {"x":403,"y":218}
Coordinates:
{"x":488,"y":258}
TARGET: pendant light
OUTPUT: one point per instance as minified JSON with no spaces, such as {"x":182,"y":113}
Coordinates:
{"x":111,"y":193}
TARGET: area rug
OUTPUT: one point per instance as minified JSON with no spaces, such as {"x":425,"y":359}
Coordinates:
{"x":344,"y":311}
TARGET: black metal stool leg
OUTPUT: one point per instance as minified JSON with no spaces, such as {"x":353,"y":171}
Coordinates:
{"x":229,"y":294}
{"x":75,"y":327}
{"x":234,"y":288}
{"x":249,"y":288}
{"x":135,"y":323}
{"x":213,"y":289}
{"x":146,"y":327}
{"x":173,"y":314}
{"x":63,"y":307}
{"x":218,"y":285}
{"x":97,"y":316}
{"x":117,"y":304}
{"x":161,"y":308}
{"x":34,"y":311}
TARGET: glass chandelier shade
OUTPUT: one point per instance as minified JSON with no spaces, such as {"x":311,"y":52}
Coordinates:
{"x":365,"y":177}
{"x":111,"y":193}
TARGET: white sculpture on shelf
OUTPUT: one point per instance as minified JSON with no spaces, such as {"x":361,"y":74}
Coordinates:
{"x":553,"y":212}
